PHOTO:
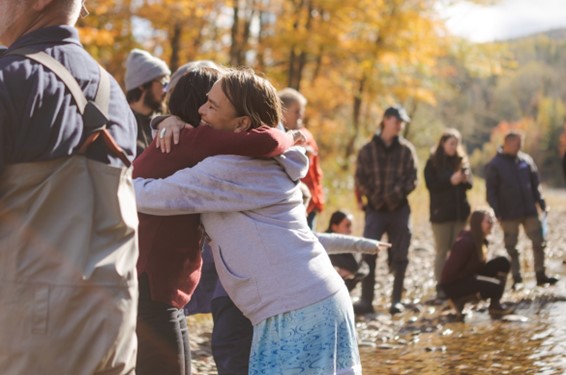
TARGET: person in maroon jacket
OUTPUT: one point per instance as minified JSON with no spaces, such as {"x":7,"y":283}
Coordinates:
{"x":169,"y":264}
{"x":467,"y":274}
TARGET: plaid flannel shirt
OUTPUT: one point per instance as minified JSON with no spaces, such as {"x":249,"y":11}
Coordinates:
{"x":386,"y":175}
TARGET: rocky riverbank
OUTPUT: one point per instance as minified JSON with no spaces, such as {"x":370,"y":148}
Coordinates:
{"x":424,"y":331}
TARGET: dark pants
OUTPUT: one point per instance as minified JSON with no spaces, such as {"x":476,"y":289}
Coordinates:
{"x":489,"y":282}
{"x":311,"y":219}
{"x":348,"y":262}
{"x":231,"y":338}
{"x":396,"y":225}
{"x":163,"y":337}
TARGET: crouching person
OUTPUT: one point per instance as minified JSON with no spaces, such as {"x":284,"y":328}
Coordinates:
{"x":467,"y":275}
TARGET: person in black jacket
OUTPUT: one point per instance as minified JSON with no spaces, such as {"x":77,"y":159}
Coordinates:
{"x":513,"y":191}
{"x":447,"y":177}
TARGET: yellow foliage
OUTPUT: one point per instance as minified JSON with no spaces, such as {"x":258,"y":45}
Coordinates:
{"x":100,"y":38}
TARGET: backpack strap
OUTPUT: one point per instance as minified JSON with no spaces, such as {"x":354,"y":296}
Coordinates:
{"x":94,"y":113}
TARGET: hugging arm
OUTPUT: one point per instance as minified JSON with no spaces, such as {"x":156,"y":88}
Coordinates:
{"x":202,"y":142}
{"x":210,"y":186}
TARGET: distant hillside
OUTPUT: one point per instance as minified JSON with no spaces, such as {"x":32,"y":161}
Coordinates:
{"x":528,"y":93}
{"x":556,"y":35}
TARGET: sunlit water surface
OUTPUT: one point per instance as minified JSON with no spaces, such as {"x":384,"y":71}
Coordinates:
{"x":535,"y":345}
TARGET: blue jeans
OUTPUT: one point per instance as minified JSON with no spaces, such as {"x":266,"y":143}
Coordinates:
{"x":396,"y":225}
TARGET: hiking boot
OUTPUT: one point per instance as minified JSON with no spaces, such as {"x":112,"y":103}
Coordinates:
{"x":440,"y":295}
{"x":517,"y":283}
{"x":396,"y":308}
{"x":362,"y":307}
{"x":459,"y":303}
{"x":542,"y":279}
{"x":496,"y":309}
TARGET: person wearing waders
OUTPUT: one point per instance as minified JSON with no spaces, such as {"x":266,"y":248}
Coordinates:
{"x":68,"y":217}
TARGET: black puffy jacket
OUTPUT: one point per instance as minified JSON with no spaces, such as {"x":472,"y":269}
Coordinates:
{"x":447,"y":202}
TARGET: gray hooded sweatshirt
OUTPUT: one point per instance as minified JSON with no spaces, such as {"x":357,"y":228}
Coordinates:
{"x":267,"y":258}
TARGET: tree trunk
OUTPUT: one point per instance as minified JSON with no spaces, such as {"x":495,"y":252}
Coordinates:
{"x":234,"y":47}
{"x":356,"y":114}
{"x":175,"y":46}
{"x":260,"y":57}
{"x":245,"y":39}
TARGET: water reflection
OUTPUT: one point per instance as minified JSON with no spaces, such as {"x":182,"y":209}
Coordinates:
{"x":431,"y":345}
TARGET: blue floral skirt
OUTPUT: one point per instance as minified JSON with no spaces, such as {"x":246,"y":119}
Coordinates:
{"x":319,"y":339}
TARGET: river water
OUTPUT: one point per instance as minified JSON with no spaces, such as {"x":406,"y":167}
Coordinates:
{"x":426,"y":339}
{"x":533,"y":344}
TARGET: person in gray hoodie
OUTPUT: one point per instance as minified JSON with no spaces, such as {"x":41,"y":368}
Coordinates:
{"x":267,"y":258}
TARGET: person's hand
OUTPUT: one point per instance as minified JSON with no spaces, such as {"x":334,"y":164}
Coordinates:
{"x":382,"y":245}
{"x":298,"y":137}
{"x":168,"y":131}
{"x":457,"y":177}
{"x":344,"y":274}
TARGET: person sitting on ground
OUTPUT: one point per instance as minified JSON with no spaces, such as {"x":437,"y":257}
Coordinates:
{"x":467,"y":274}
{"x":346,"y":264}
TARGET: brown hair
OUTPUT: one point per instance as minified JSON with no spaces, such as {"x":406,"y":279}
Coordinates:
{"x":439,"y":157}
{"x":252,"y":96}
{"x":476,"y":229}
{"x":190,"y":92}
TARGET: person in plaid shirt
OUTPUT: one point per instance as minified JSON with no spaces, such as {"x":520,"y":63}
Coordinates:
{"x":386,"y":173}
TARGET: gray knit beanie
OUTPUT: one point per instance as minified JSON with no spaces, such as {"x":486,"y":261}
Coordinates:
{"x":142,"y":67}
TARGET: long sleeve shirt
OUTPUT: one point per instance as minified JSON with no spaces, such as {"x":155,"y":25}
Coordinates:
{"x":170,"y":245}
{"x":267,"y":258}
{"x":463,"y":260}
{"x":39,"y":120}
{"x":447,"y":202}
{"x":386,"y":175}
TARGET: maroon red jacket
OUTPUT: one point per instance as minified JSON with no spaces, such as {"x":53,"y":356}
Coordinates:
{"x":170,"y":245}
{"x":463,"y":260}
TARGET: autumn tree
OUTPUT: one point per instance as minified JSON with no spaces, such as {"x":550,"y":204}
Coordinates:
{"x":108,"y":33}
